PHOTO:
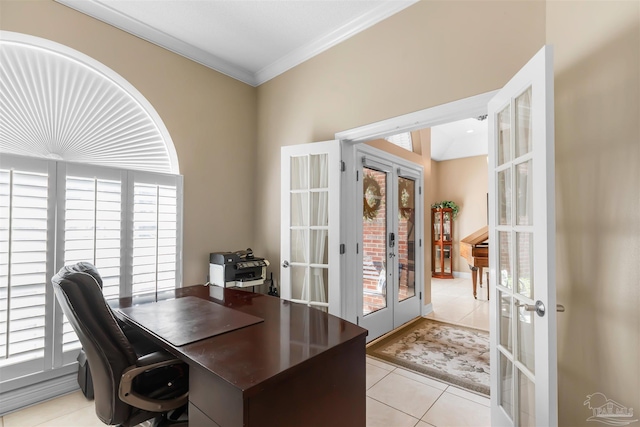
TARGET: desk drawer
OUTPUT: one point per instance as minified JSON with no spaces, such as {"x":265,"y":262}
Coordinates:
{"x":218,"y":400}
{"x":197,"y":418}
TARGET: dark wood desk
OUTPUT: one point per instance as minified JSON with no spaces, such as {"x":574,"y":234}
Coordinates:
{"x":300,"y":367}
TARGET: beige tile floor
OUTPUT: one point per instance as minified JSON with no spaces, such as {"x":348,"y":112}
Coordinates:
{"x":453,"y":302}
{"x":395,"y":397}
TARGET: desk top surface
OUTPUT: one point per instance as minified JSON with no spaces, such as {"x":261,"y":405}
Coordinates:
{"x":290,"y":334}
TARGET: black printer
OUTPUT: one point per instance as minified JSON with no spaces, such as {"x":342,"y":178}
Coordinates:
{"x":237,"y":269}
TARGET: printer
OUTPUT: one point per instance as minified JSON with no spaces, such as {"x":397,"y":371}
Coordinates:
{"x":237,"y":269}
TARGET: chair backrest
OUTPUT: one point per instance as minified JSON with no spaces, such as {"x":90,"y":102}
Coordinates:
{"x":78,"y":291}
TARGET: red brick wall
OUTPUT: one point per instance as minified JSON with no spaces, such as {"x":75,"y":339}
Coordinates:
{"x":374,"y":245}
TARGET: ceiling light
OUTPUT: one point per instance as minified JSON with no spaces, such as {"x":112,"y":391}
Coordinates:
{"x":470,"y":131}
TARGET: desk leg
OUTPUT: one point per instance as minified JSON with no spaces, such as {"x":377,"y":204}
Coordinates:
{"x":474,"y":278}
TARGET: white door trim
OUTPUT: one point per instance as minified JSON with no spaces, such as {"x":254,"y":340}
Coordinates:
{"x":472,"y":106}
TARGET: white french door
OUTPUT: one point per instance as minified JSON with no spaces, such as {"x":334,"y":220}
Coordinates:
{"x":310,"y":225}
{"x":389,"y":250}
{"x":522,"y":258}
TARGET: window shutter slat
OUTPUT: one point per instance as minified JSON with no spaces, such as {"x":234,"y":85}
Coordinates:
{"x":154,"y":237}
{"x":23,"y":269}
{"x":92,"y":222}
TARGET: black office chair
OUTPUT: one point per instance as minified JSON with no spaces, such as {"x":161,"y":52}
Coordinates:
{"x":129,"y":387}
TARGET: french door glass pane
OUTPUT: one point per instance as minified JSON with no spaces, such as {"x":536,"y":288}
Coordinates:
{"x":504,"y":197}
{"x":319,"y":176}
{"x":374,"y":242}
{"x":526,"y":401}
{"x":300,"y":173}
{"x":299,"y":280}
{"x":524,"y":244}
{"x":504,"y":135}
{"x":299,"y":209}
{"x":506,"y":384}
{"x":406,"y":238}
{"x":524,"y":199}
{"x":319,"y":253}
{"x":299,"y":246}
{"x":524,"y":134}
{"x":320,"y":209}
{"x":504,"y":262}
{"x":526,"y":354}
{"x":504,"y":326}
{"x":319,"y":280}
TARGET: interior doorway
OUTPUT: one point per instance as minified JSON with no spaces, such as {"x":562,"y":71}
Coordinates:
{"x":463,"y":109}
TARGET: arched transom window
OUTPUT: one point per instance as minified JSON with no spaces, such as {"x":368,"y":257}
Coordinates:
{"x":58,"y":103}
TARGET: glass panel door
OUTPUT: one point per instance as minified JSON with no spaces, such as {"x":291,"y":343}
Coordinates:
{"x":390,"y":230}
{"x":309,"y":229}
{"x":374,"y":242}
{"x":408,"y":235}
{"x":523,"y":311}
{"x":406,"y":246}
{"x":310,"y":225}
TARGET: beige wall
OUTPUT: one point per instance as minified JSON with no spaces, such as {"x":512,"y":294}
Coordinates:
{"x":431,"y":53}
{"x":465,"y":181}
{"x":597,"y":95}
{"x":211,"y":119}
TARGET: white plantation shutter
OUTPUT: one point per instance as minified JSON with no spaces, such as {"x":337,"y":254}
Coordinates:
{"x":156,"y":202}
{"x":93,"y":217}
{"x":26,"y":208}
{"x":90,"y":219}
{"x":53,"y":213}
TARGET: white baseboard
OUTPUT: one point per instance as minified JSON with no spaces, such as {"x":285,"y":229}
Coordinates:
{"x":26,"y":396}
{"x":427,"y":309}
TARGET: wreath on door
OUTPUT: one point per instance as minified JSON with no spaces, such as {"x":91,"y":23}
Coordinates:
{"x":372,"y":197}
{"x":406,"y":204}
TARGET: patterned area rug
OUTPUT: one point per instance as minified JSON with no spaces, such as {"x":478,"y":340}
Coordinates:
{"x":454,"y":354}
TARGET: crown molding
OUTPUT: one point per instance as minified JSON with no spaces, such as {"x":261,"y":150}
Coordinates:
{"x":139,"y":29}
{"x":319,"y":45}
{"x":115,"y":18}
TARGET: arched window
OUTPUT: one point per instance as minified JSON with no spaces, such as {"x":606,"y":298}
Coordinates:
{"x":88,"y":172}
{"x":61,"y":104}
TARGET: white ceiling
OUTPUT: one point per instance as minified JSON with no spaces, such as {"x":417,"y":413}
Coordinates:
{"x":250,"y":40}
{"x":464,"y":138}
{"x":256,"y":40}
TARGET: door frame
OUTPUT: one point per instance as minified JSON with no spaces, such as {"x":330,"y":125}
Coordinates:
{"x":473,"y":106}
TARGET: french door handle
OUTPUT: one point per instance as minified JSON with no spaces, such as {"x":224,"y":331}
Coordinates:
{"x":285,"y":264}
{"x":539,"y":308}
{"x":392,"y":240}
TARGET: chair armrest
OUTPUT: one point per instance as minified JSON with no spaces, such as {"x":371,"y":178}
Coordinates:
{"x":156,"y":357}
{"x":144,"y":364}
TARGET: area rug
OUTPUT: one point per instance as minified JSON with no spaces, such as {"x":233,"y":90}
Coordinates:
{"x":454,"y":354}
